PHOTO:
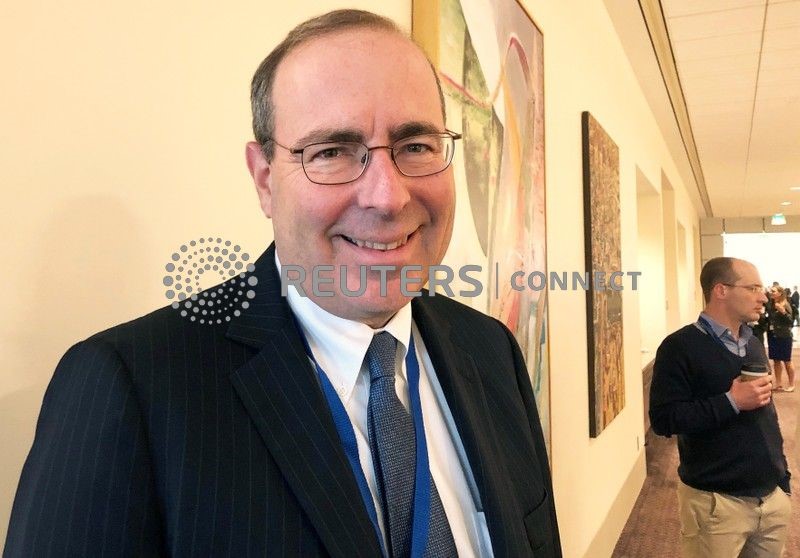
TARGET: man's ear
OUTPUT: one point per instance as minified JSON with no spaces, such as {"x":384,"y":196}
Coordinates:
{"x":262,"y":177}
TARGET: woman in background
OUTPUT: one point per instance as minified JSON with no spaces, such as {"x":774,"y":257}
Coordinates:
{"x":779,"y":337}
{"x":761,"y":326}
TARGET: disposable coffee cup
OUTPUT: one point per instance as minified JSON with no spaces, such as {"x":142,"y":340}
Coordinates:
{"x":752,"y":372}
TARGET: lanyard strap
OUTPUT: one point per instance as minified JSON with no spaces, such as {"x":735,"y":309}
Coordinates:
{"x":422,"y":485}
{"x":348,"y":438}
{"x":710,"y":330}
{"x":422,"y":476}
{"x":706,"y":325}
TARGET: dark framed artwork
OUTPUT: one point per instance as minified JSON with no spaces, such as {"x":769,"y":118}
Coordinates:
{"x":602,"y":246}
{"x":489,"y":58}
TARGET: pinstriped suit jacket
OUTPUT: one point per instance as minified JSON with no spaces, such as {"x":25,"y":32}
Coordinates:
{"x":163,"y":437}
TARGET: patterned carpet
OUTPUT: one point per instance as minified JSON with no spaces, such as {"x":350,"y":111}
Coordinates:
{"x":653,"y":531}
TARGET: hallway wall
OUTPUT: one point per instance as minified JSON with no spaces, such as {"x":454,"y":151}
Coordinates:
{"x":597,"y":480}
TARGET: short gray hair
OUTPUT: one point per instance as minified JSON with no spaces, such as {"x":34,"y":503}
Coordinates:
{"x":331,"y":22}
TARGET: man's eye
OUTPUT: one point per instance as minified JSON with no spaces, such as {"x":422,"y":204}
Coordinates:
{"x":417,"y":148}
{"x":326,"y":153}
{"x":420,"y":146}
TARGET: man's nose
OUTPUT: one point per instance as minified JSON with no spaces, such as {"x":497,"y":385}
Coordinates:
{"x":382,"y":186}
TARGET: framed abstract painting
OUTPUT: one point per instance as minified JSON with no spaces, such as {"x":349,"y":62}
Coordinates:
{"x":489,"y":58}
{"x":602,"y":245}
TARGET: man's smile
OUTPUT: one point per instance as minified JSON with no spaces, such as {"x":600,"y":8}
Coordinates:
{"x":374,"y":245}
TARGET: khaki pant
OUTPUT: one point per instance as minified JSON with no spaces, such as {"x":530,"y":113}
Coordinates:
{"x":715,"y":525}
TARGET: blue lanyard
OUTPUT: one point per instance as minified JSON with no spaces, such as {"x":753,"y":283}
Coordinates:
{"x":422,"y":486}
{"x":710,"y":330}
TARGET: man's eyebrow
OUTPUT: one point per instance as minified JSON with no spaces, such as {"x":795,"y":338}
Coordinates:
{"x":413,"y":129}
{"x":325,"y":135}
{"x":405,"y":130}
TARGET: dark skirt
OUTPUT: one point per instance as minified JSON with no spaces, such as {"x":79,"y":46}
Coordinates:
{"x":780,"y":348}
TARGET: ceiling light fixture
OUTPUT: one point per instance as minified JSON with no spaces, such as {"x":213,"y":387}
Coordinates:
{"x":795,"y":188}
{"x":778,"y":219}
{"x":786,"y":203}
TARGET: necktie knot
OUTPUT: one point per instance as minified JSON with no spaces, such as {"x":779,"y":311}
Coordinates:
{"x":381,"y":356}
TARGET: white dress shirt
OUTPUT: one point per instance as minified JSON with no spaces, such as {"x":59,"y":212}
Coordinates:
{"x":340,"y":347}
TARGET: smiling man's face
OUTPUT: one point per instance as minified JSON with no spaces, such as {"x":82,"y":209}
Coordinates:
{"x":374,"y":87}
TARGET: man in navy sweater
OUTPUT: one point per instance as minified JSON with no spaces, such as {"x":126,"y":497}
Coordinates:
{"x":734,"y":481}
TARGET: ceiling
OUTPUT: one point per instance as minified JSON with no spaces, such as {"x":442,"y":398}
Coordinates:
{"x":738,"y":62}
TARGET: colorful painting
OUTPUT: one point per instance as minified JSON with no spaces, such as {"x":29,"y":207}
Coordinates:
{"x":488,"y":54}
{"x":603,"y":305}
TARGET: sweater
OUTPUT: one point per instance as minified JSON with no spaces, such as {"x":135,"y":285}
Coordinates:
{"x":720,"y":450}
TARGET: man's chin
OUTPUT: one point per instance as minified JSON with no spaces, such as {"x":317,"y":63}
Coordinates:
{"x":374,"y":310}
{"x":368,"y":308}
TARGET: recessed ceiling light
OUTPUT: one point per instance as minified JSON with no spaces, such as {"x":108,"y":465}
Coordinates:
{"x":795,"y":188}
{"x":786,"y":203}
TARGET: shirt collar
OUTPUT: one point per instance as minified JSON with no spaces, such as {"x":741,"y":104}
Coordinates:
{"x":339,"y":345}
{"x":719,"y":330}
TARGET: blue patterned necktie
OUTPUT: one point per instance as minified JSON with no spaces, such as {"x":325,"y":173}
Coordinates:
{"x":392,"y":442}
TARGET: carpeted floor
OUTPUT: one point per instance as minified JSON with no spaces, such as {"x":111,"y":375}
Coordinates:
{"x":653,"y":531}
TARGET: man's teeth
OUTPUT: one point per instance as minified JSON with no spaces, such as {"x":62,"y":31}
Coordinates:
{"x":377,"y":245}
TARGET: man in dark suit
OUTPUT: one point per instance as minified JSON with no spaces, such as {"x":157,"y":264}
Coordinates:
{"x":296,"y":428}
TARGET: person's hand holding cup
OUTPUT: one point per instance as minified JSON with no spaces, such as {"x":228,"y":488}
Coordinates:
{"x":753,"y":388}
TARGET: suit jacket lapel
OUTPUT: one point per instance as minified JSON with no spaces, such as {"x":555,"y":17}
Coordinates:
{"x":463,"y":389}
{"x":280,"y":391}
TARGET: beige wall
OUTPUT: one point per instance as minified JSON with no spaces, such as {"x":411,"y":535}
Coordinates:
{"x":650,"y":252}
{"x":596,"y":480}
{"x":122,"y":137}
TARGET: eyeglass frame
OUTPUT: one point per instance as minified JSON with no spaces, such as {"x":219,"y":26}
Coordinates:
{"x":299,"y":151}
{"x":752,"y":288}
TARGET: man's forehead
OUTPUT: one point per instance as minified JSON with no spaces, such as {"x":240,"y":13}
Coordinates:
{"x":746,"y":271}
{"x":338,"y":49}
{"x":351,"y":85}
{"x":362,"y":42}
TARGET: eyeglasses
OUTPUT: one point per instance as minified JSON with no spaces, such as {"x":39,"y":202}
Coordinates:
{"x":340,"y":162}
{"x":754,"y":289}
